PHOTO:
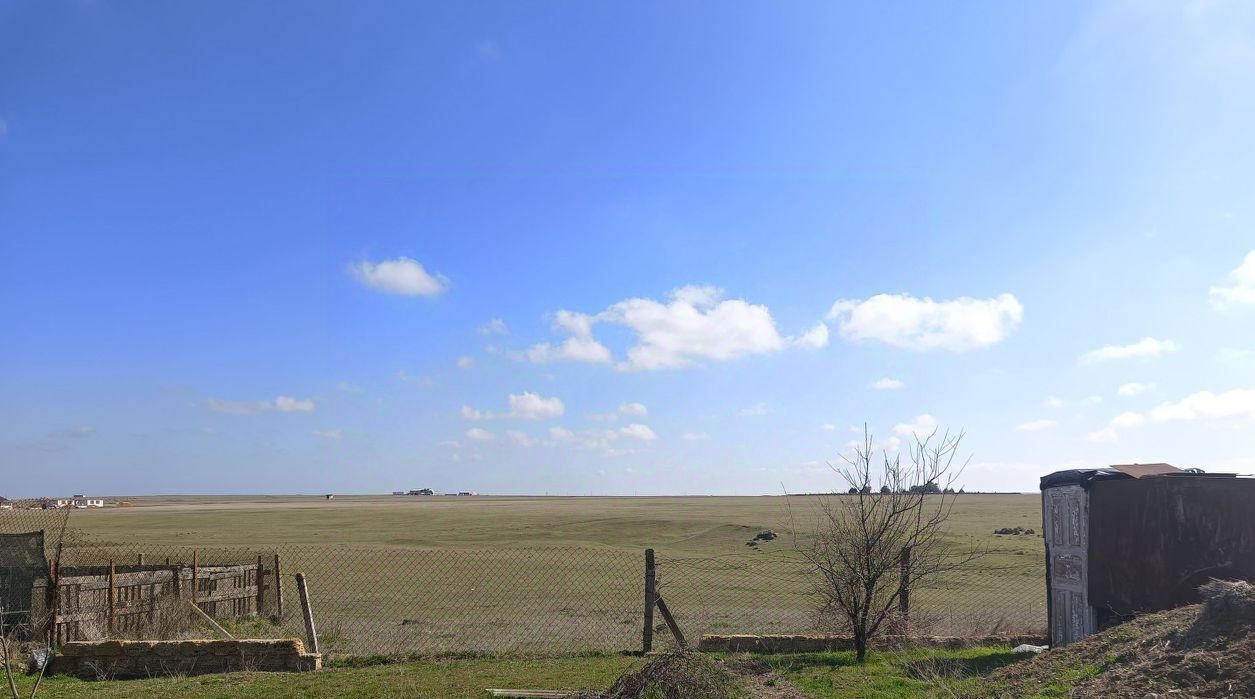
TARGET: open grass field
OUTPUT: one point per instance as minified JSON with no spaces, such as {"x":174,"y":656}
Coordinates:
{"x":438,"y":575}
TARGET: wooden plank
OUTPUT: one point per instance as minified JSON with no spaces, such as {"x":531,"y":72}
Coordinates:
{"x":531,"y":693}
{"x":195,"y":570}
{"x":212,"y":623}
{"x":666,"y":616}
{"x":307,"y":612}
{"x":230,"y":594}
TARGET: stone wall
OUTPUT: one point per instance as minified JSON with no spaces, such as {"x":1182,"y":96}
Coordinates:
{"x":119,"y":659}
{"x":815,"y":643}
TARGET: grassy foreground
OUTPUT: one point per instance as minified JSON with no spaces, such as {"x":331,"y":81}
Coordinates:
{"x":440,"y":679}
{"x":888,"y":675}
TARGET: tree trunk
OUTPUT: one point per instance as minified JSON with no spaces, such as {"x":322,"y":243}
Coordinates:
{"x":860,"y":646}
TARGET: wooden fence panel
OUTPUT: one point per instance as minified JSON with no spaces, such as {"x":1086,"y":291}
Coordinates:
{"x":145,"y":601}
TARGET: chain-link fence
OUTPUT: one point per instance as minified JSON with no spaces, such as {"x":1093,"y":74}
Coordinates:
{"x":390,"y":600}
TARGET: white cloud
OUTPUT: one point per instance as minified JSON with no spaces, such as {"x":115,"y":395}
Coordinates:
{"x":1091,"y":400}
{"x":1205,"y":405}
{"x":1242,"y":292}
{"x":921,"y":426}
{"x":479,"y":434}
{"x":1134,"y":389}
{"x":815,"y":338}
{"x":694,"y":325}
{"x":638,"y":431}
{"x":531,"y":406}
{"x":1055,"y":402}
{"x":694,"y":436}
{"x":451,"y":443}
{"x":561,"y":435}
{"x":496,"y":326}
{"x":633,"y":409}
{"x":1035,"y":425}
{"x":523,"y":406}
{"x":1236,"y":404}
{"x":887,"y":384}
{"x":580,"y":346}
{"x":923,"y":324}
{"x":347,"y":387}
{"x":469,"y":413}
{"x":828,"y":427}
{"x":1145,"y":347}
{"x":757,"y":410}
{"x":329,"y":434}
{"x":282,"y":404}
{"x":1111,"y":433}
{"x":466,"y":362}
{"x":402,"y":276}
{"x":520,"y":438}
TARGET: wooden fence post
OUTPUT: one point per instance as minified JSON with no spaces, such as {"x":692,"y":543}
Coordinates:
{"x":195,"y":573}
{"x":904,"y":584}
{"x":308,"y":613}
{"x":113,"y":592}
{"x":260,"y":579}
{"x":651,"y":591}
{"x":278,"y":590}
{"x":141,"y":559}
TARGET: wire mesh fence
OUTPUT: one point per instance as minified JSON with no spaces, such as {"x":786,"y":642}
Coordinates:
{"x":399,"y":600}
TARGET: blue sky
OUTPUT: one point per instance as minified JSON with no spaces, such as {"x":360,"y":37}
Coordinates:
{"x":618,"y":248}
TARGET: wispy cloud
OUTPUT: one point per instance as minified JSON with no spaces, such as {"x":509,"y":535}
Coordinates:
{"x":402,"y":276}
{"x":281,"y":404}
{"x":1145,"y":347}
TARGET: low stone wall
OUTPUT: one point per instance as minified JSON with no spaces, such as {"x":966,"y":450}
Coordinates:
{"x":744,"y":643}
{"x":120,"y":659}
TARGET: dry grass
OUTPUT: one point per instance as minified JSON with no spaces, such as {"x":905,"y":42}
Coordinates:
{"x":442,"y":575}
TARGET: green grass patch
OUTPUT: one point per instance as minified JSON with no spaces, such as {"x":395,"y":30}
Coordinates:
{"x":893,"y":675}
{"x":441,"y":679}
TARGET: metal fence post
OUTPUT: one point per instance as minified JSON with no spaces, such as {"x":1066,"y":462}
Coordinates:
{"x":651,"y":591}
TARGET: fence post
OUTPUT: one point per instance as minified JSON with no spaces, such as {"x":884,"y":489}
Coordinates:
{"x":195,"y":573}
{"x":141,"y":559}
{"x":113,"y":591}
{"x":651,"y":591}
{"x":278,"y":590}
{"x":308,"y":613}
{"x":904,"y":585}
{"x":260,"y":579}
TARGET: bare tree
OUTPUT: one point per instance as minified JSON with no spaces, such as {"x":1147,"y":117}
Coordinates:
{"x":857,"y":551}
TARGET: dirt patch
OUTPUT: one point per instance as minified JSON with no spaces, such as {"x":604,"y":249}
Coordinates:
{"x":691,"y":675}
{"x":1205,"y":650}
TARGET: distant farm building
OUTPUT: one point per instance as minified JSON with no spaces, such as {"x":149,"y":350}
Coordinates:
{"x":5,"y":503}
{"x":421,"y":491}
{"x":79,"y":502}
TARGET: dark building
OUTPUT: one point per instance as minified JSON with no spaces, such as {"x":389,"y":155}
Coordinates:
{"x":1139,"y":538}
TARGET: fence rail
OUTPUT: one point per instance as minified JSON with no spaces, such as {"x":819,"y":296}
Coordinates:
{"x":379,"y":599}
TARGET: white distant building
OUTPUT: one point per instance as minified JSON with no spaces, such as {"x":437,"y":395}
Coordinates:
{"x":80,"y":502}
